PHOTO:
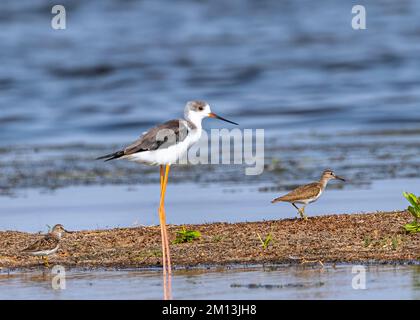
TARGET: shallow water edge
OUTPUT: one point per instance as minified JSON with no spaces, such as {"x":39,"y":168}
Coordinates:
{"x":235,"y":282}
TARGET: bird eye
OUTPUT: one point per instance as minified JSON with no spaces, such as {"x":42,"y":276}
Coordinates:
{"x":201,"y":108}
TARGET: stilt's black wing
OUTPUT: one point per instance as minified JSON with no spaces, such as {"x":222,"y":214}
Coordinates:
{"x":159,"y":137}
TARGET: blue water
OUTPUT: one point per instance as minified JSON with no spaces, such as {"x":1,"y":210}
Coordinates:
{"x":282,"y":282}
{"x":121,"y":66}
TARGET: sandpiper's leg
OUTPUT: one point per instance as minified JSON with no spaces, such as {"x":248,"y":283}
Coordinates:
{"x":302,"y":212}
{"x":46,"y":263}
{"x":298,"y":209}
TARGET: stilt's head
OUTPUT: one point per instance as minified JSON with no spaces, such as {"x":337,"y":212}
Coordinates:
{"x":195,"y":111}
{"x":328,"y":175}
{"x":58,"y":231}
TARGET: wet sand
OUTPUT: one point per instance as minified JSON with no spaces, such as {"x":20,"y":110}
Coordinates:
{"x":368,"y":238}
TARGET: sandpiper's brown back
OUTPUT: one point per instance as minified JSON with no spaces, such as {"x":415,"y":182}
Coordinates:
{"x":46,"y":243}
{"x":303,"y":192}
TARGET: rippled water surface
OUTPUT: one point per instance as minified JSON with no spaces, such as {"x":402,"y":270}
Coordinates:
{"x":121,"y":66}
{"x":304,"y":282}
{"x":326,"y":95}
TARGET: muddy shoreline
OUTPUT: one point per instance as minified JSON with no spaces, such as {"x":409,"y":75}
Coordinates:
{"x":368,"y":238}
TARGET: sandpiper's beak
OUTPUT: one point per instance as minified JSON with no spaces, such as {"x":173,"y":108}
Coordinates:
{"x":67,"y":231}
{"x":339,"y":178}
{"x":213,"y":115}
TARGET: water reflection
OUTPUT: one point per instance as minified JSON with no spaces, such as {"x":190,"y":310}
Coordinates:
{"x":253,"y":282}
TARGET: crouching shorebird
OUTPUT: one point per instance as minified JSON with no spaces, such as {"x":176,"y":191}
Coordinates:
{"x":164,"y":145}
{"x":308,"y":193}
{"x":48,"y":245}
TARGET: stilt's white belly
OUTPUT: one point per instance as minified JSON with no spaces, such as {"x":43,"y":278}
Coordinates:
{"x":166,"y":156}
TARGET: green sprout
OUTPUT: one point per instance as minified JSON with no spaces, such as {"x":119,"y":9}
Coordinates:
{"x":414,"y":209}
{"x":367,"y":241}
{"x":395,"y":242}
{"x":184,"y":235}
{"x":266,"y":241}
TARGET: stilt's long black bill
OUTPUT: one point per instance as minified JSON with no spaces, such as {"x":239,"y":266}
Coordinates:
{"x":213,"y":115}
{"x":340,"y":178}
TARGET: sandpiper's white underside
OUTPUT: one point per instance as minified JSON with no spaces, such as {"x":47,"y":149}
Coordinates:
{"x":44,"y":252}
{"x":310,"y":200}
{"x":166,"y":156}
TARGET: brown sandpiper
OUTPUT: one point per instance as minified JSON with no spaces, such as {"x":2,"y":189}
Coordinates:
{"x":47,"y":245}
{"x":308,"y":193}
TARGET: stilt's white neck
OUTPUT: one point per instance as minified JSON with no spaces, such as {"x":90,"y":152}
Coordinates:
{"x":195,"y":118}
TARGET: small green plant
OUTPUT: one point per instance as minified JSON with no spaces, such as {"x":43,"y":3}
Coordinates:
{"x":266,"y":241}
{"x":217,"y":238}
{"x":367,"y":241}
{"x":395,"y":242}
{"x":414,"y":209}
{"x":184,"y":235}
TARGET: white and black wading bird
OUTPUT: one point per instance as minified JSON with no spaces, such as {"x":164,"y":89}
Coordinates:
{"x":163,"y":146}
